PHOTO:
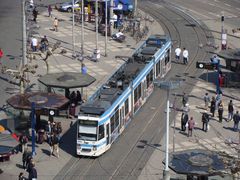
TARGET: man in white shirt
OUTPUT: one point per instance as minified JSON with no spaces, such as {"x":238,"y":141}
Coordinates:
{"x":178,"y":53}
{"x":114,"y":20}
{"x":34,"y":43}
{"x":185,"y":56}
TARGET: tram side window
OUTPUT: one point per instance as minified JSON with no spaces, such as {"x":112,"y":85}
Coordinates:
{"x":158,"y":68}
{"x":112,"y":123}
{"x":114,"y":120}
{"x":126,"y":107}
{"x":101,"y":132}
{"x":167,"y":57}
{"x":149,"y":78}
{"x":137,"y":93}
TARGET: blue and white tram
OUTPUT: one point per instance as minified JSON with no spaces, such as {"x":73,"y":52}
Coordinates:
{"x":104,"y":117}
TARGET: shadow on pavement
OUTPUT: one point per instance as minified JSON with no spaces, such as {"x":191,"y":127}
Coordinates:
{"x":69,"y":140}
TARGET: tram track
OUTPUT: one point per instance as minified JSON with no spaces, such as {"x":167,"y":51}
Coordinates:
{"x":81,"y":168}
{"x":155,"y":13}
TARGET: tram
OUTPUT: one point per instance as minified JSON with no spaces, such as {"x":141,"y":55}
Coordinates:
{"x":110,"y":109}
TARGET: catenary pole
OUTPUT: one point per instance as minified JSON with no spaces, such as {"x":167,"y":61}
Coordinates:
{"x":106,"y":26}
{"x":111,"y":16}
{"x":82,"y":27}
{"x":73,"y":33}
{"x":96,"y":23}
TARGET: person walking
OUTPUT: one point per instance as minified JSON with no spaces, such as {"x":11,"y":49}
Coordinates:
{"x":23,"y":142}
{"x":206,"y":99}
{"x":84,"y":69}
{"x":34,"y":44}
{"x":32,"y":173}
{"x":49,"y":11}
{"x":220,"y":111}
{"x":35,"y":14}
{"x":185,"y":56}
{"x":1,"y":55}
{"x":213,"y":106}
{"x":184,"y":120}
{"x":205,"y":120}
{"x":184,"y":99}
{"x":25,"y":158}
{"x":44,"y":44}
{"x":55,"y":142}
{"x":236,"y":119}
{"x":230,"y":110}
{"x":177,"y":54}
{"x":191,"y":124}
{"x":50,"y":142}
{"x":55,"y":24}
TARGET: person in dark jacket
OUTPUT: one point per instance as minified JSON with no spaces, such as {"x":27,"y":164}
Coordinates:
{"x":213,"y":106}
{"x":230,"y":110}
{"x":35,"y":13}
{"x":25,"y":158}
{"x":32,"y":172}
{"x":184,"y":121}
{"x":220,"y":111}
{"x":205,"y":120}
{"x":236,"y":119}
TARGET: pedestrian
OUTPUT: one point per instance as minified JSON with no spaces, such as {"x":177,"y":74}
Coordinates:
{"x":79,"y":98}
{"x":29,"y":162}
{"x":236,"y":119}
{"x":44,"y":43}
{"x":184,"y":99}
{"x":31,"y":3}
{"x":184,"y":120}
{"x":55,"y":24}
{"x":34,"y":44}
{"x":50,"y":142}
{"x":25,"y":158}
{"x":32,"y":174}
{"x":49,"y":11}
{"x":21,"y":176}
{"x":55,"y":145}
{"x":178,"y":53}
{"x":213,"y":106}
{"x":230,"y":110}
{"x":205,"y":120}
{"x":1,"y":55}
{"x":23,"y":142}
{"x":35,"y":13}
{"x":84,"y":69}
{"x":114,"y":21}
{"x":191,"y":124}
{"x":206,"y":99}
{"x":185,"y":56}
{"x":220,"y":111}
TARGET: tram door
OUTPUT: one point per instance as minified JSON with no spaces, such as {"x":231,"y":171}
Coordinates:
{"x":144,"y":89}
{"x":107,"y":134}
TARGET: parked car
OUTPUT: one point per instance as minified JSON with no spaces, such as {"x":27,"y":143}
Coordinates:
{"x":67,"y":6}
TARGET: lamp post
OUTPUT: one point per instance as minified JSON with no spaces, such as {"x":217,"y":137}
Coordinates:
{"x":106,"y":27}
{"x":167,"y":85}
{"x":33,"y":123}
{"x":82,"y":27}
{"x":73,"y":33}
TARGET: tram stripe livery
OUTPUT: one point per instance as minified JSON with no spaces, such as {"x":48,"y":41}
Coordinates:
{"x":109,"y":110}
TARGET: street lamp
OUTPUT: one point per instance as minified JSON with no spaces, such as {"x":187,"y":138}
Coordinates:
{"x":167,"y":85}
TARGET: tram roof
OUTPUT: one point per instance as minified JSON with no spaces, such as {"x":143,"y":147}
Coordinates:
{"x":121,"y":79}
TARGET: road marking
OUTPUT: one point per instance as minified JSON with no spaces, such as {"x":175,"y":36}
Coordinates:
{"x":211,"y":4}
{"x":227,"y":4}
{"x":211,"y":13}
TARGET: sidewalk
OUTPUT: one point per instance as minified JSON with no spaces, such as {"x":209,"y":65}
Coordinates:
{"x":61,"y":63}
{"x":212,"y":140}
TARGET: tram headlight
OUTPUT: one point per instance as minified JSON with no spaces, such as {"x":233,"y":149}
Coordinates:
{"x":94,"y":147}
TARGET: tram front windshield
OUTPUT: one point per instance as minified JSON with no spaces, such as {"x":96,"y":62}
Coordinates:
{"x":87,"y":130}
